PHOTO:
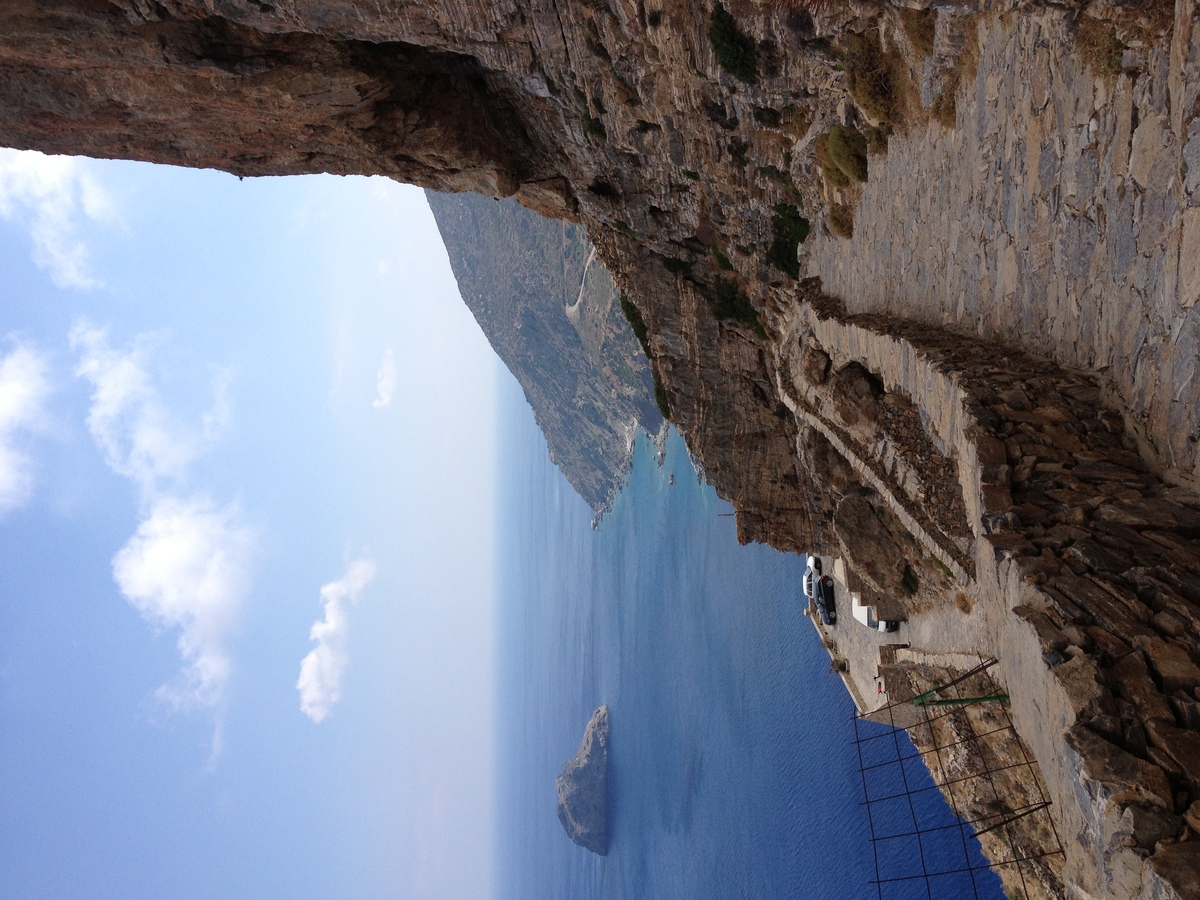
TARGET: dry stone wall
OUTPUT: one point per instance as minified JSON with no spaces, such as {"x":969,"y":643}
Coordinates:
{"x":1060,"y":213}
{"x":1086,"y":566}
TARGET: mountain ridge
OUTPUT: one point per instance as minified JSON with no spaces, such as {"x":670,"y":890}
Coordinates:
{"x":552,"y":314}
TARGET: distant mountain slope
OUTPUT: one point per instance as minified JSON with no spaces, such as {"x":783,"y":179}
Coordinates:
{"x":553,"y":314}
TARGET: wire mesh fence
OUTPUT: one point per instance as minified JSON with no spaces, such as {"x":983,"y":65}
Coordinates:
{"x":953,"y":740}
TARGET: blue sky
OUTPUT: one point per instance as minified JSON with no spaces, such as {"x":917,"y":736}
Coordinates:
{"x":247,"y":457}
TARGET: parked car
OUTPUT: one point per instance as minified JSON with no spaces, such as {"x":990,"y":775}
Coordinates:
{"x":818,"y":589}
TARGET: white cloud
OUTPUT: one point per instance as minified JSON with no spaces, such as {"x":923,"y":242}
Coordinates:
{"x":187,"y":567}
{"x":320,"y":683}
{"x":51,"y":194}
{"x":385,"y":380}
{"x":139,"y":437}
{"x":23,"y":391}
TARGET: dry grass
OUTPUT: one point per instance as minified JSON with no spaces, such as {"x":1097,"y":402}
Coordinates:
{"x":1098,"y":47}
{"x":877,"y":139}
{"x":968,"y":59}
{"x":880,"y":82}
{"x":945,"y":108}
{"x":796,"y":120}
{"x":870,"y":76}
{"x":1148,"y":22}
{"x":964,"y":602}
{"x":918,"y":25}
{"x":841,"y":220}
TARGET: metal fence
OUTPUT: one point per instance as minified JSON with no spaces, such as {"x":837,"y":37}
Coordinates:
{"x":981,"y":767}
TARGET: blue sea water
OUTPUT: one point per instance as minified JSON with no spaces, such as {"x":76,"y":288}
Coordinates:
{"x":733,"y":769}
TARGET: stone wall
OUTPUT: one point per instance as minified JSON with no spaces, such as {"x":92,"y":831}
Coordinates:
{"x":1085,"y":569}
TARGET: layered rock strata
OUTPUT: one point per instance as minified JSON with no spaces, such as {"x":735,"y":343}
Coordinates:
{"x":583,"y":788}
{"x":891,"y":435}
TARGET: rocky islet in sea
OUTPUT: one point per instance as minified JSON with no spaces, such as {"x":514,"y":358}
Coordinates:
{"x":583,"y":787}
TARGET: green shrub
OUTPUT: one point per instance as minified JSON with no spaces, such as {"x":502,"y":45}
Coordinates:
{"x":734,"y":48}
{"x":834,"y":177}
{"x":722,"y":260}
{"x":637,"y":323}
{"x":774,"y":173}
{"x":789,"y":229}
{"x":771,"y":118}
{"x":660,"y":398}
{"x":848,"y":151}
{"x":719,"y":115}
{"x":690,"y":173}
{"x":729,"y":304}
{"x":737,"y":152}
{"x":677,"y":266}
{"x":594,"y":127}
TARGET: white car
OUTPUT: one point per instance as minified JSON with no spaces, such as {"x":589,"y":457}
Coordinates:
{"x":818,"y":589}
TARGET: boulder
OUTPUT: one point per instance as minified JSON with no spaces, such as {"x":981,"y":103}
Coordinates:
{"x":1182,"y":746}
{"x":583,"y":788}
{"x":1171,"y":664}
{"x":1179,"y":866}
{"x":1132,"y":681}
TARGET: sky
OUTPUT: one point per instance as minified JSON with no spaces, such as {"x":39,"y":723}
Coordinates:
{"x":247,"y":454}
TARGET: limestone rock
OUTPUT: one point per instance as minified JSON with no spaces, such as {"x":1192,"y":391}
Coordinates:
{"x":1182,"y":746}
{"x":1171,"y":664}
{"x":1132,"y":680}
{"x":1179,"y":866}
{"x":583,"y":788}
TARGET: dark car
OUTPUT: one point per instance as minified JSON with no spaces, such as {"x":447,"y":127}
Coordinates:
{"x":824,"y":600}
{"x":819,"y":589}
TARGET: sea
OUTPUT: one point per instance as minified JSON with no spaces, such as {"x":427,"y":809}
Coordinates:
{"x":733,"y":766}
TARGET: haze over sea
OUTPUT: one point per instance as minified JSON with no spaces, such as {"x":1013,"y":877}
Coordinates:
{"x":732,"y":768}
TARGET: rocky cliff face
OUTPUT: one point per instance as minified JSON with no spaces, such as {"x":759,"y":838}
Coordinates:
{"x":583,"y":788}
{"x":1039,"y":192}
{"x":550,"y":310}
